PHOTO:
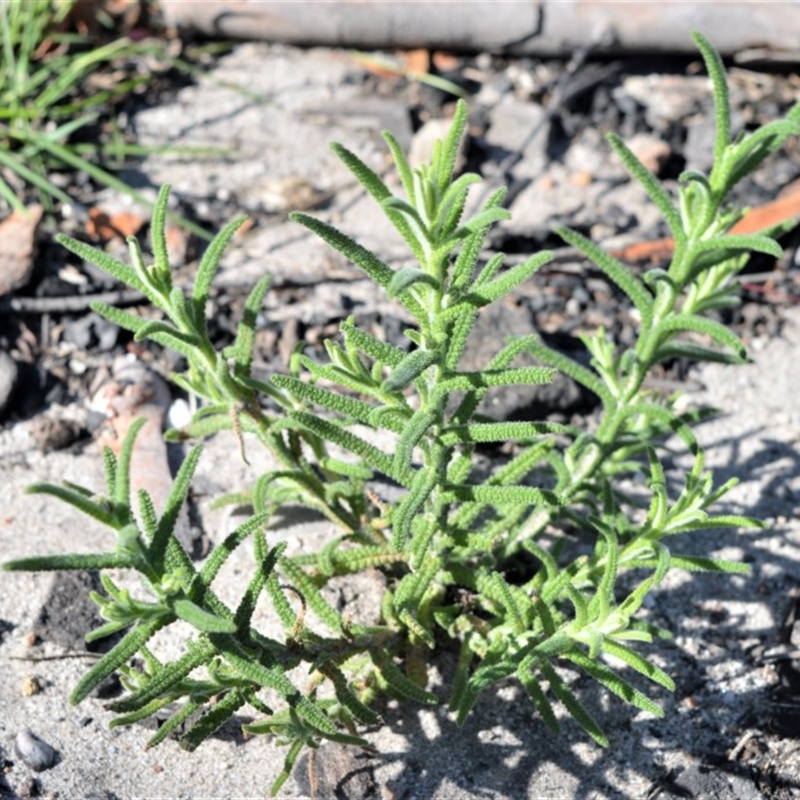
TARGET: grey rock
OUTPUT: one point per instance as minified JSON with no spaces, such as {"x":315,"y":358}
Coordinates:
{"x":542,"y":203}
{"x":91,"y":330}
{"x":665,"y":98}
{"x":36,"y":754}
{"x":712,"y":783}
{"x":53,"y":432}
{"x":519,"y":127}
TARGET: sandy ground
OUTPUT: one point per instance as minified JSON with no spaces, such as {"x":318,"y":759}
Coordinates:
{"x":502,"y":751}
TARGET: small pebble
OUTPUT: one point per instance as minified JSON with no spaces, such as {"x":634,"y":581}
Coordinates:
{"x":29,"y":788}
{"x":31,"y":685}
{"x":36,"y":754}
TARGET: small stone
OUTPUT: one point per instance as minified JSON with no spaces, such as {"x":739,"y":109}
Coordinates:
{"x":36,"y":754}
{"x":278,"y":195}
{"x":18,"y":248}
{"x":520,"y":128}
{"x":53,"y":433}
{"x":31,"y":685}
{"x":9,"y":374}
{"x":29,"y":788}
{"x":652,"y":151}
{"x":666,"y":98}
{"x":581,"y":179}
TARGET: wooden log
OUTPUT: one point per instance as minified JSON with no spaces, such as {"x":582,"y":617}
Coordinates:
{"x":536,"y":27}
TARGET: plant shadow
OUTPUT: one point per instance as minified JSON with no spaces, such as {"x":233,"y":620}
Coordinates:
{"x":737,"y":680}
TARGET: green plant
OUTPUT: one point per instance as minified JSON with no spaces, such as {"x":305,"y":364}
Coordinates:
{"x":45,"y":100}
{"x":449,"y":543}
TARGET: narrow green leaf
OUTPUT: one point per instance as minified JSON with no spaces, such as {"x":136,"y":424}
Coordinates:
{"x":448,"y":154}
{"x":615,"y":270}
{"x":639,"y":663}
{"x":224,"y":708}
{"x":274,"y":678}
{"x":483,"y":219}
{"x":752,"y":150}
{"x":312,"y":595}
{"x":363,"y":174}
{"x":117,"y":269}
{"x":204,"y":427}
{"x":471,"y":247}
{"x":125,"y":320}
{"x":459,"y":334}
{"x":409,"y":369}
{"x":417,"y":631}
{"x":168,"y":333}
{"x":719,"y":333}
{"x":15,"y":163}
{"x":653,"y":187}
{"x":573,"y":705}
{"x":375,"y":348}
{"x":266,"y":560}
{"x":122,"y":485}
{"x":359,"y":711}
{"x":126,"y":648}
{"x":408,"y":277}
{"x":696,"y":353}
{"x":721,"y":521}
{"x":614,"y":683}
{"x":169,"y":518}
{"x":280,"y":603}
{"x":209,"y":264}
{"x":506,"y":598}
{"x":143,"y":713}
{"x":158,"y":229}
{"x":502,"y":495}
{"x":88,"y":561}
{"x":403,"y":167}
{"x":348,"y":441}
{"x":731,"y":242}
{"x":199,"y":652}
{"x":576,"y":371}
{"x":500,"y":432}
{"x":470,"y":381}
{"x":340,"y":403}
{"x":451,"y":208}
{"x":405,"y":512}
{"x":360,"y":256}
{"x":703,"y":564}
{"x":403,"y":685}
{"x":413,"y":432}
{"x":490,"y":269}
{"x":242,"y":350}
{"x":503,"y":284}
{"x":147,"y":514}
{"x":539,"y":700}
{"x":101,"y":511}
{"x":199,"y":618}
{"x":169,"y":725}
